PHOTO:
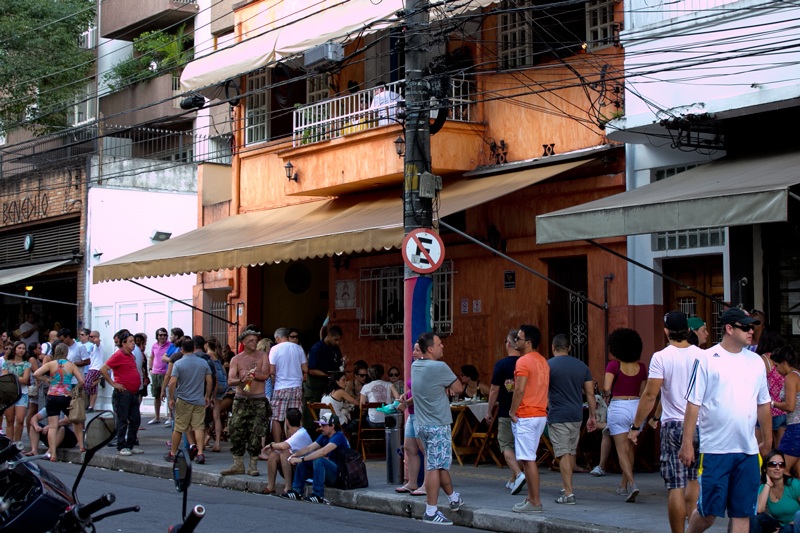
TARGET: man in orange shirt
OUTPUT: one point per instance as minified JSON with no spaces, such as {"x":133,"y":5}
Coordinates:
{"x":528,"y":411}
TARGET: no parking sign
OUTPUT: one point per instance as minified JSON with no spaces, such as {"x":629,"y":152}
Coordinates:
{"x":423,"y":251}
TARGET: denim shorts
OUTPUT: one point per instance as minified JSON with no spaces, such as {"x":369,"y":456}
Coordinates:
{"x":410,"y":431}
{"x":790,"y":442}
{"x":23,"y":400}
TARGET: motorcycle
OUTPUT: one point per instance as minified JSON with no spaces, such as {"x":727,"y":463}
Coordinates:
{"x":34,"y":500}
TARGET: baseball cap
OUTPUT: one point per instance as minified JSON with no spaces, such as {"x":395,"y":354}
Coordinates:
{"x":734,"y":315}
{"x":696,"y":323}
{"x":328,"y":419}
{"x":676,"y":321}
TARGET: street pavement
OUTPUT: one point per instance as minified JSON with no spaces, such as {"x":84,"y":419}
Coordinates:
{"x":487,"y":502}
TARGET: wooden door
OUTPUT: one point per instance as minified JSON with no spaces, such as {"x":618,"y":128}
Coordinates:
{"x":703,"y":273}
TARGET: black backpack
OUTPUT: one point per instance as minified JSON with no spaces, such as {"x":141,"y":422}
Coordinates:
{"x":352,"y":470}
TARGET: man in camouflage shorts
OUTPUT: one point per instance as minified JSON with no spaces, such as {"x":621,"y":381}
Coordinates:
{"x":251,"y":411}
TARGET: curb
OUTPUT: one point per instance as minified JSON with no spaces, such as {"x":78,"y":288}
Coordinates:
{"x":358,"y":499}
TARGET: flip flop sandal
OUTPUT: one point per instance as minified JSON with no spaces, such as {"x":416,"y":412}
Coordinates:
{"x":418,"y":493}
{"x":267,"y":490}
{"x":403,"y":490}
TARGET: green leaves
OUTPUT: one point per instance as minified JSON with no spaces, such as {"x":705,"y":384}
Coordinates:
{"x":43,"y":69}
{"x":155,"y":53}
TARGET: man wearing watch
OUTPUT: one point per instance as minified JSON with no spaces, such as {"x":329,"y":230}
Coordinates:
{"x":728,"y":393}
{"x":322,"y":454}
{"x":277,"y":453}
{"x":670,"y":370}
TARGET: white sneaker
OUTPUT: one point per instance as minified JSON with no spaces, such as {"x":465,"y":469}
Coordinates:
{"x":509,"y":484}
{"x":597,"y":471}
{"x":136,"y":450}
{"x":516,"y":487}
{"x":125,"y":451}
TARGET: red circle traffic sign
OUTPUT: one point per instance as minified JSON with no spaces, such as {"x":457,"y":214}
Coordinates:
{"x":423,"y":250}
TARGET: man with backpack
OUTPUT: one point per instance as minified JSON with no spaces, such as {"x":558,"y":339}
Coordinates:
{"x":323,"y":455}
{"x":288,"y":368}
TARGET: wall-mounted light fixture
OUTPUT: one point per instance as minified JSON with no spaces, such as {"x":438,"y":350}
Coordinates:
{"x":28,"y":288}
{"x":291,"y":175}
{"x":400,"y":146}
{"x":160,"y":236}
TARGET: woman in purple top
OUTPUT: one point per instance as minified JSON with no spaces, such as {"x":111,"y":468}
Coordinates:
{"x":624,"y":381}
{"x":411,"y":446}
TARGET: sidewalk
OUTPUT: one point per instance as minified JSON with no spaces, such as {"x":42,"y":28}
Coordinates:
{"x":487,"y":502}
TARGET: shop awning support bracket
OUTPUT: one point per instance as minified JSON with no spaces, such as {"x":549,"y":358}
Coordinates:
{"x":236,"y":323}
{"x":657,"y":273}
{"x":23,"y":297}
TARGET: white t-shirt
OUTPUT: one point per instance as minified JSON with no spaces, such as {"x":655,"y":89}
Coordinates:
{"x":674,"y":365}
{"x":301,"y":438}
{"x":96,"y":358}
{"x":377,"y":391}
{"x":77,"y":352}
{"x":26,"y":327}
{"x":728,"y":387}
{"x":288,"y":359}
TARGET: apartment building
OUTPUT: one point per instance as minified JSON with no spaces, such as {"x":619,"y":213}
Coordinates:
{"x":309,"y":224}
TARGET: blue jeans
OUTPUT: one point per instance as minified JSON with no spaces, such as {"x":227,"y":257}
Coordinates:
{"x":325,"y":472}
{"x":764,"y":522}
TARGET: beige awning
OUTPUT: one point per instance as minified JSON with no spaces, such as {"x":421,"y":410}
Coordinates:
{"x":13,"y":275}
{"x":297,"y":30}
{"x":355,"y":223}
{"x":726,"y":192}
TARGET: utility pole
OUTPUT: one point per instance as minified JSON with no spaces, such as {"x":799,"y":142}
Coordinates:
{"x":417,"y":212}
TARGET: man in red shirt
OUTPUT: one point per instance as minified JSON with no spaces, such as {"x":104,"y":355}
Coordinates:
{"x":125,"y":398}
{"x":528,"y":411}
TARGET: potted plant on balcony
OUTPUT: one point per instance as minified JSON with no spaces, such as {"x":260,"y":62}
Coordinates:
{"x":155,"y":53}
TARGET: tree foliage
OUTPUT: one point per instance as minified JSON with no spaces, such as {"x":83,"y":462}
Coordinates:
{"x":43,"y":68}
{"x":154,"y":53}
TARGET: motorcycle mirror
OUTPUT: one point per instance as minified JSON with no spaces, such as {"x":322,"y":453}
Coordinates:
{"x":182,"y":474}
{"x":10,"y":391}
{"x":98,"y":432}
{"x":182,"y":470}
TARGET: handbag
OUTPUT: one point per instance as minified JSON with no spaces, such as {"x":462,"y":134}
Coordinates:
{"x":77,"y":406}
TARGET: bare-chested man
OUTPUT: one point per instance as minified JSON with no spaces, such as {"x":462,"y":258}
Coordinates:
{"x":248,"y":424}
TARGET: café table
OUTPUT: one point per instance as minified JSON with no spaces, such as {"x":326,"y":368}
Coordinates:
{"x":466,"y":417}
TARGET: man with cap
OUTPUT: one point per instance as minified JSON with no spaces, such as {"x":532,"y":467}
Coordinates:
{"x":670,"y":370}
{"x":728,"y":391}
{"x":698,"y":327}
{"x":249,"y":370}
{"x":322,"y":454}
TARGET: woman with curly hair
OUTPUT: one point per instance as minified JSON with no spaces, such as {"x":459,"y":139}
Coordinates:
{"x":624,"y":381}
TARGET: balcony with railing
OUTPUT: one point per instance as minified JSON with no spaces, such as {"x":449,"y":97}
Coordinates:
{"x":347,"y":144}
{"x":161,"y":104}
{"x":121,"y":19}
{"x":357,"y":112}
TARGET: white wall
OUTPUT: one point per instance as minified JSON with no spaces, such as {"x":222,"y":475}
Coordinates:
{"x":121,"y":221}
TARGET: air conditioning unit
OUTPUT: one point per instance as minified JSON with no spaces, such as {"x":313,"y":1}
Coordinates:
{"x":323,"y":55}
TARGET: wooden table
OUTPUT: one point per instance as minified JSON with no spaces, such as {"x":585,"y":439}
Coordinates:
{"x":465,"y":421}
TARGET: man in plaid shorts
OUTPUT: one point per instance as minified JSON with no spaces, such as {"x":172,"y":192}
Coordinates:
{"x":670,"y":371}
{"x":430,"y":379}
{"x":287,"y":365}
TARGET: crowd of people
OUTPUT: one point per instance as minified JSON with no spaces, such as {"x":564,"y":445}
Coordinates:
{"x":725,"y":408}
